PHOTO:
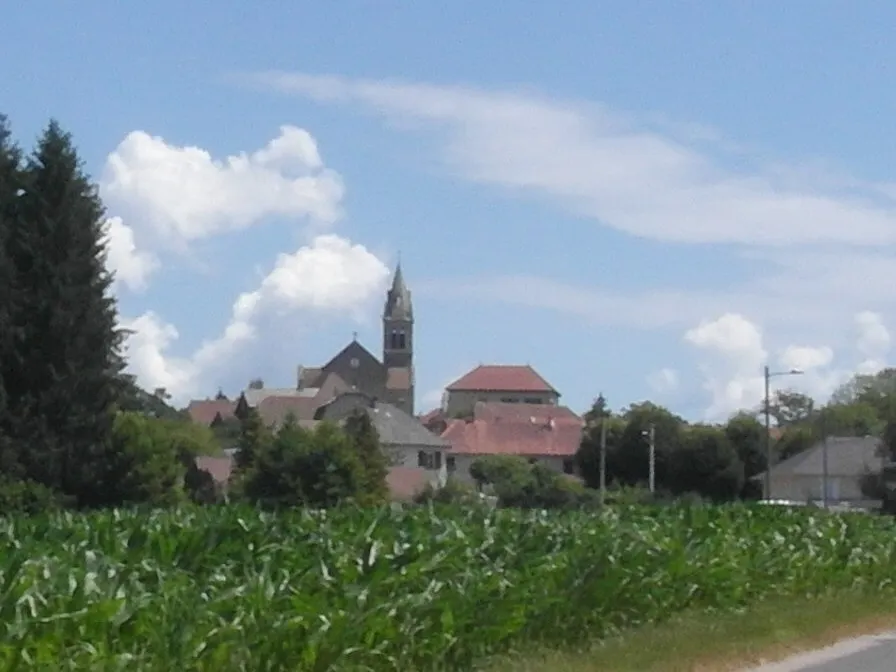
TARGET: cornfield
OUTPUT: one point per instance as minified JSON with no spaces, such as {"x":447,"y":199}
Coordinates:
{"x":225,"y":588}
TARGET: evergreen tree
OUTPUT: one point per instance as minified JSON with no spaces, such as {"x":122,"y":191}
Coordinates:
{"x":10,"y":191}
{"x":366,"y":443}
{"x":253,"y":438}
{"x":66,"y":376}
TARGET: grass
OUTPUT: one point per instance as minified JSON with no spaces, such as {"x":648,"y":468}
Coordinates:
{"x":225,"y":589}
{"x":723,"y":642}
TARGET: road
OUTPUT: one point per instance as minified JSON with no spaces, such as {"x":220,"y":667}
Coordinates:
{"x":873,"y":653}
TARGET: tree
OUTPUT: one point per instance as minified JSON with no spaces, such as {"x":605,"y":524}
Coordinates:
{"x":588,"y":455}
{"x":366,"y":442}
{"x":705,"y":462}
{"x":747,"y":435}
{"x":597,"y":411}
{"x":518,"y":483}
{"x":63,"y":380}
{"x":317,"y":468}
{"x":629,"y":462}
{"x":253,"y":438}
{"x":794,"y":440}
{"x":150,"y":466}
{"x":10,"y":184}
{"x":791,"y":408}
{"x":857,"y":418}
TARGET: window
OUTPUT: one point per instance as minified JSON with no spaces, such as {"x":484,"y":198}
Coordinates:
{"x":532,"y":400}
{"x":429,"y":460}
{"x":509,"y":400}
{"x":569,"y":466}
{"x":398,"y":340}
{"x":450,"y":463}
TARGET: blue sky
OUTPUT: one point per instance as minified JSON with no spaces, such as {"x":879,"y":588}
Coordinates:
{"x":649,"y":199}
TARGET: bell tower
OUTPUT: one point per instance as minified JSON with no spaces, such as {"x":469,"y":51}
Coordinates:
{"x":398,"y":342}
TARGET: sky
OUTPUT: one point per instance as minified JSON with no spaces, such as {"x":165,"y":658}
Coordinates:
{"x":645,"y":199}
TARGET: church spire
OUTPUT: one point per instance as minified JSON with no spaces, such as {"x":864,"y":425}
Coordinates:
{"x":398,"y":299}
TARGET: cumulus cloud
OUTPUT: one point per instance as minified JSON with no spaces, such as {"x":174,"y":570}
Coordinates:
{"x":624,"y":174}
{"x":177,"y":194}
{"x":132,"y":267}
{"x":733,"y":353}
{"x":663,"y":381}
{"x":329,"y":277}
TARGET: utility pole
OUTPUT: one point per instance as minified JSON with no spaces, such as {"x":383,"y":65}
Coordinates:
{"x":652,"y":476}
{"x":603,"y":459}
{"x":824,"y":470}
{"x":768,"y":437}
{"x":768,"y":429}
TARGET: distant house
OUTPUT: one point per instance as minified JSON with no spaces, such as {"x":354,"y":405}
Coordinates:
{"x":509,"y":384}
{"x":542,"y":433}
{"x":801,"y":478}
{"x":417,"y":456}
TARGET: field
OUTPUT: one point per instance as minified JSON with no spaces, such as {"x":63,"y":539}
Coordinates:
{"x":233,"y":589}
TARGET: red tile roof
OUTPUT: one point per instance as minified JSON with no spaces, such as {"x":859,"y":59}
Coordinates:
{"x":501,"y":378}
{"x":273,"y":410}
{"x":516,"y":429}
{"x":204,"y":411}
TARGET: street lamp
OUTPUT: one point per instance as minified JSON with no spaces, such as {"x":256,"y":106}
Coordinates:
{"x":768,"y":439}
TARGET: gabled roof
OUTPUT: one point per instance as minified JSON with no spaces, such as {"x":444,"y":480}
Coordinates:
{"x":394,"y":426}
{"x":204,"y":411}
{"x":355,"y":349}
{"x":847,"y":456}
{"x":502,"y":378}
{"x":516,"y":429}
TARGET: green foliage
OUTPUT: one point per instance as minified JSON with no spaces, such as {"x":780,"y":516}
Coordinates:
{"x":518,"y":483}
{"x":795,"y":440}
{"x":366,"y":443}
{"x":707,"y":463}
{"x":319,"y":468}
{"x":61,"y":370}
{"x":228,"y":588}
{"x":453,"y":492}
{"x":747,"y":435}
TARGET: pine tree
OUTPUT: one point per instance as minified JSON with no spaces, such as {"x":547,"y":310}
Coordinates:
{"x":65,"y":381}
{"x":10,"y":186}
{"x":253,"y":438}
{"x":366,"y":442}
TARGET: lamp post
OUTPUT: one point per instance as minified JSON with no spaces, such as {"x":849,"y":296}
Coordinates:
{"x":768,"y":439}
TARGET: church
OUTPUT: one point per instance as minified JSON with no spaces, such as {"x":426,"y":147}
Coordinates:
{"x":390,"y":380}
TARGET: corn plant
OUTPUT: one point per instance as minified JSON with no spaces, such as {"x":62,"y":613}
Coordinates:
{"x":426,"y":588}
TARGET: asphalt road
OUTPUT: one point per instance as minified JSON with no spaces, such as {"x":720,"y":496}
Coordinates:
{"x":873,"y":653}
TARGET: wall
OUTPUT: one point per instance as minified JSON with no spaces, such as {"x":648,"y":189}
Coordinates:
{"x":805,"y":488}
{"x":462,"y":465}
{"x":462,"y":402}
{"x":408,"y":456}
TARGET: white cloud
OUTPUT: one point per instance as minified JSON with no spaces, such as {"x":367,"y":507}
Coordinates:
{"x":663,"y":381}
{"x":132,"y":267}
{"x":629,"y":177}
{"x":176,"y":194}
{"x":733,"y":354}
{"x":873,"y":341}
{"x":331,"y":276}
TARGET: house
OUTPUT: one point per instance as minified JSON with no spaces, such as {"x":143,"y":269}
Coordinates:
{"x":508,"y":384}
{"x":408,"y":444}
{"x":542,"y":433}
{"x":801,"y":478}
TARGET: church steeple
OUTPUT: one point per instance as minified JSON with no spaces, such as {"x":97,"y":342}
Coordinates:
{"x":398,"y":343}
{"x":398,"y":299}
